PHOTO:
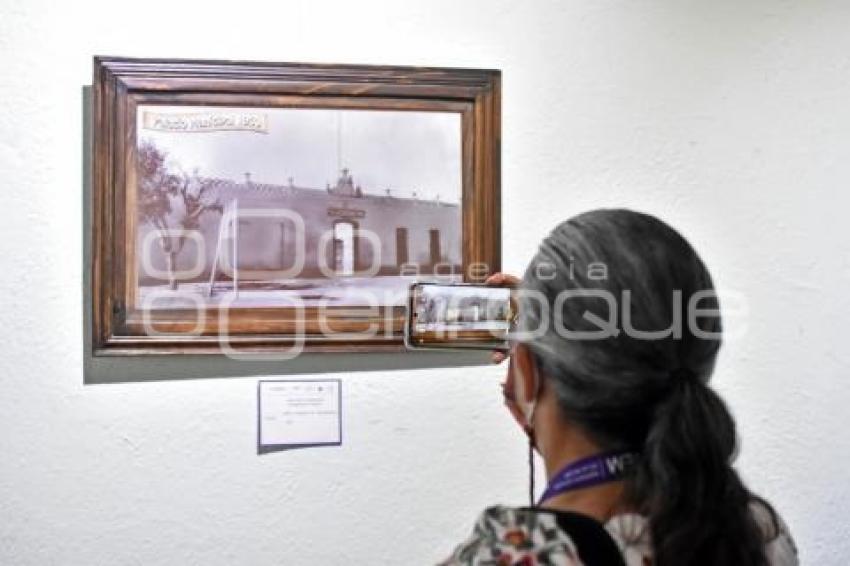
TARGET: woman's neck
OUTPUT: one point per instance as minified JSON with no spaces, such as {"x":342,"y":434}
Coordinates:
{"x":600,"y":501}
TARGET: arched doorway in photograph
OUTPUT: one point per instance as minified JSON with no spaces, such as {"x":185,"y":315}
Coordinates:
{"x":345,"y":247}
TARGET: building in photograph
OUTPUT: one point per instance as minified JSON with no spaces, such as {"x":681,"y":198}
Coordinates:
{"x":416,"y":235}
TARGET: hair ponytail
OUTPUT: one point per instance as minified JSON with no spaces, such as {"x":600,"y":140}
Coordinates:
{"x":698,"y":507}
{"x":630,"y":392}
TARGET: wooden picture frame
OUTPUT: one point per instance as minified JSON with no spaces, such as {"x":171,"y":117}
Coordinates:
{"x":242,"y":95}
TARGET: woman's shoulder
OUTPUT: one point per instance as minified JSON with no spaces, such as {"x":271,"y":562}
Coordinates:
{"x":517,"y":535}
{"x":528,"y":535}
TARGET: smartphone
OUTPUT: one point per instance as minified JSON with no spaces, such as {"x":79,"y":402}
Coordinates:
{"x":459,"y":316}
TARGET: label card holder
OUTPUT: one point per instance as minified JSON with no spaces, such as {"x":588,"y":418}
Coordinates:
{"x":298,"y":414}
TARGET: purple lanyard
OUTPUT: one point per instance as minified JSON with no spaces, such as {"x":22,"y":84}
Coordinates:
{"x":609,"y":466}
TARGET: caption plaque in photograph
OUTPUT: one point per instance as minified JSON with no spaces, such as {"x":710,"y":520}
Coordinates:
{"x":266,"y":207}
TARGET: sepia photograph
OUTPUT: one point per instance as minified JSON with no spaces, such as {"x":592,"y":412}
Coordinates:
{"x":266,"y":206}
{"x":254,"y":206}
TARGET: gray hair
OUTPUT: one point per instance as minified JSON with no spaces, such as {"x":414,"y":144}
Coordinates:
{"x":629,"y":391}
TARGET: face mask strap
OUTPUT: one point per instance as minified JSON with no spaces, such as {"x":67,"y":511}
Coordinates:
{"x":529,"y":431}
{"x":531,"y":470}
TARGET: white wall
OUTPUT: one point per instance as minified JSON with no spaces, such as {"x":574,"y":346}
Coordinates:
{"x":729,"y":119}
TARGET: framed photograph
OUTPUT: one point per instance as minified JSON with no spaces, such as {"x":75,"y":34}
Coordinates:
{"x":247,"y":208}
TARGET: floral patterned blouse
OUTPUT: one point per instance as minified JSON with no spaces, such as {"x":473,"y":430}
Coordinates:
{"x":511,"y":536}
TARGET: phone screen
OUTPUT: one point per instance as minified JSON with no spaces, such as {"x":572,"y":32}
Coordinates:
{"x":459,"y":315}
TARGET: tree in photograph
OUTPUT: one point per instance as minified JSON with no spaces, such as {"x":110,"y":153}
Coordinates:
{"x":172,"y":202}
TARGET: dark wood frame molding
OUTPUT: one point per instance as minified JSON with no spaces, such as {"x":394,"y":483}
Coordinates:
{"x":121,"y":84}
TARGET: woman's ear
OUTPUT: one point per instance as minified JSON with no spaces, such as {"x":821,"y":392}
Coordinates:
{"x":525,"y":375}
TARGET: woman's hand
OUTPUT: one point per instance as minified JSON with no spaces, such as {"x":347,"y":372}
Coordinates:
{"x":501,"y":280}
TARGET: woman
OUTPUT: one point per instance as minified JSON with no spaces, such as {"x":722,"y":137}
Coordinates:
{"x":616,"y":340}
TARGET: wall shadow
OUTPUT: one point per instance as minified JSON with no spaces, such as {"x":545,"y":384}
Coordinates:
{"x":100,"y":369}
